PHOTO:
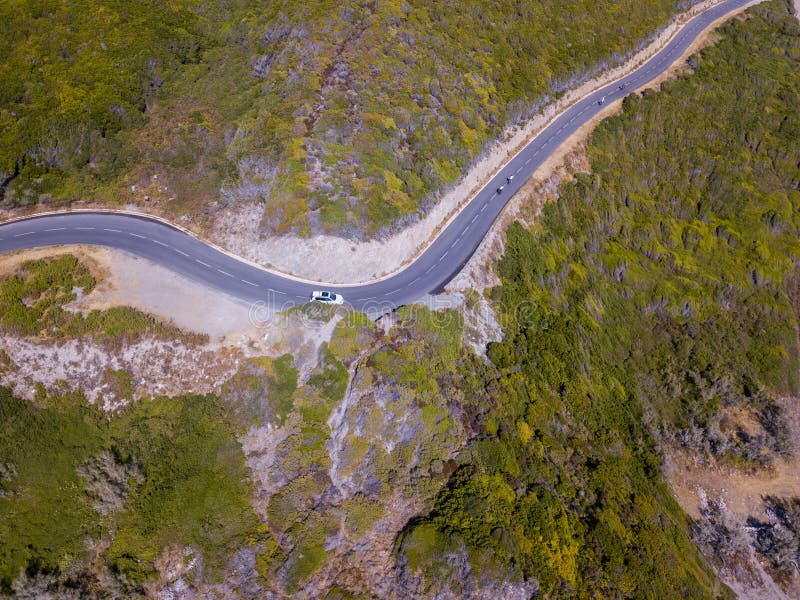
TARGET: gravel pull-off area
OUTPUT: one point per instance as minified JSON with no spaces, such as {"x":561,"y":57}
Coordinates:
{"x":137,"y":282}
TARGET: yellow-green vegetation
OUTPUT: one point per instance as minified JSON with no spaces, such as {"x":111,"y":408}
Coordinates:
{"x":351,"y":335}
{"x":261,"y":390}
{"x":346,"y":117}
{"x":299,"y":522}
{"x":656,"y":298}
{"x":361,"y":515}
{"x":171,"y":468}
{"x":32,"y":304}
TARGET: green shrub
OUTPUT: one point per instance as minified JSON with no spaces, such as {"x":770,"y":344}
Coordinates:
{"x":193,"y":487}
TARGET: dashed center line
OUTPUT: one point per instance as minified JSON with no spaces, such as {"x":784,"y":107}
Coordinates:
{"x":643,"y":73}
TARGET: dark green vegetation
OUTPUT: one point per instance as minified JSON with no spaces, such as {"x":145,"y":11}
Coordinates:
{"x":344,"y":116}
{"x":654,"y":305}
{"x":164,"y":471}
{"x":32,"y":304}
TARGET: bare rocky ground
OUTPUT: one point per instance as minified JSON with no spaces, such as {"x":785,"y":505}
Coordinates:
{"x":698,"y":482}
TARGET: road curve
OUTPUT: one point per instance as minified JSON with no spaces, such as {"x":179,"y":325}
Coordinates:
{"x":429,"y":273}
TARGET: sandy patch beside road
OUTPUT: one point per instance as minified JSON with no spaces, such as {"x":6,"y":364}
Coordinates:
{"x":142,"y":284}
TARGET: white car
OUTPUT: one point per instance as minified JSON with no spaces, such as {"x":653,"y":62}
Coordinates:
{"x":326,"y":297}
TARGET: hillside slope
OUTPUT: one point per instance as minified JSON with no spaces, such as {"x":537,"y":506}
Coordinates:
{"x":341,"y":117}
{"x":653,"y":309}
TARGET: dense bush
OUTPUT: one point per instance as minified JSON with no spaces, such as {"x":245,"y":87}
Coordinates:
{"x":654,"y":304}
{"x":163,"y":471}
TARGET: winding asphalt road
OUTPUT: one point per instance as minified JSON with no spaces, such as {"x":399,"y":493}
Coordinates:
{"x":188,"y":256}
